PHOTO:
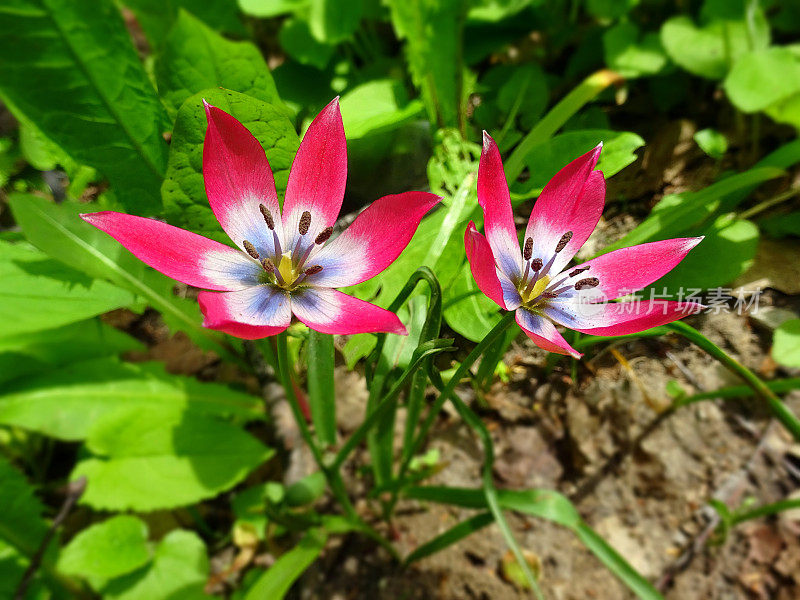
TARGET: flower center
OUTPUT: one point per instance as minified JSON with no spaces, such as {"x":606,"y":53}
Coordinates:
{"x":286,"y":269}
{"x":536,"y":286}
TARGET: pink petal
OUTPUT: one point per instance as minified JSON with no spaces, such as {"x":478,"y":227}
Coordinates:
{"x":482,"y":265}
{"x":543,"y":333}
{"x":330,"y":311}
{"x":238,"y":178}
{"x":252,"y":313}
{"x":571,"y":201}
{"x":494,"y":198}
{"x":318,"y":175}
{"x":619,"y":318}
{"x":178,"y":253}
{"x":626,"y":270}
{"x":373,"y":241}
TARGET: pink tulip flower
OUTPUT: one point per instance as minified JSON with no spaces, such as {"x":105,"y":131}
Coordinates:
{"x":536,"y":282}
{"x":287,"y":262}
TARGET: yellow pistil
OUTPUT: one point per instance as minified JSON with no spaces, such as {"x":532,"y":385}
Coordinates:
{"x":537,"y":289}
{"x":285,"y":268}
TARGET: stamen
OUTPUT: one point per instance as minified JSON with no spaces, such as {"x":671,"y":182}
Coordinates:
{"x":589,"y":282}
{"x":267,"y":216}
{"x":251,"y":250}
{"x":305,"y":223}
{"x":536,"y":264}
{"x":324,"y":235}
{"x":312,"y":270}
{"x":578,"y":271}
{"x":528,"y":251}
{"x":268,"y":265}
{"x":563,"y":241}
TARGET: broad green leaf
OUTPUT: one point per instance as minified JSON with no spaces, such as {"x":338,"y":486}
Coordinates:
{"x":21,"y":522}
{"x":712,"y":142}
{"x":40,"y":351}
{"x":778,"y":226}
{"x":466,"y":309}
{"x":333,"y":21}
{"x":40,"y":293}
{"x":432,"y":33}
{"x":271,"y":8}
{"x":631,"y":54}
{"x":495,"y":10}
{"x":727,"y":251}
{"x":59,"y":231}
{"x":547,"y":158}
{"x":761,"y":79}
{"x":786,"y":111}
{"x":68,"y":402}
{"x":786,"y":344}
{"x":710,"y":50}
{"x":524,"y":91}
{"x":278,"y":578}
{"x":185,"y":200}
{"x":77,"y":77}
{"x":194,"y":57}
{"x":677,"y":213}
{"x":106,"y":550}
{"x":178,"y":572}
{"x":375,"y":107}
{"x":296,"y":39}
{"x":157,"y":16}
{"x":163,"y":459}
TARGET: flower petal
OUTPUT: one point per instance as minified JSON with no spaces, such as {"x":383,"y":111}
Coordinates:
{"x":318,"y":175}
{"x":482,"y":265}
{"x":495,"y":200}
{"x":373,"y":241}
{"x":252,"y":313}
{"x":619,"y":318}
{"x":238,"y":178}
{"x":571,"y":201}
{"x":178,"y":253}
{"x":330,"y":311}
{"x":626,"y":270}
{"x":543,"y":333}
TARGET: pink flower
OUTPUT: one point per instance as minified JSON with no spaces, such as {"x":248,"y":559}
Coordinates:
{"x":536,"y":282}
{"x":287,"y":264}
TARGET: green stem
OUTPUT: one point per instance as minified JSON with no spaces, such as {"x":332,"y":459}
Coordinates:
{"x":466,"y":364}
{"x":781,"y":412}
{"x":489,"y":490}
{"x":332,"y":476}
{"x":762,"y":206}
{"x":766,"y":510}
{"x":588,"y":89}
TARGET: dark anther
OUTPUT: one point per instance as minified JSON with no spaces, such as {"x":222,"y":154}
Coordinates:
{"x":563,"y":241}
{"x":305,"y":223}
{"x":251,"y":250}
{"x":267,"y":216}
{"x":578,"y":271}
{"x":528,"y":251}
{"x":313,"y":270}
{"x":268,"y":265}
{"x":589,"y":282}
{"x":536,"y":264}
{"x":324,"y":235}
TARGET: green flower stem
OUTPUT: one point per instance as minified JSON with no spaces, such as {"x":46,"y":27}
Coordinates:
{"x":781,"y":412}
{"x":332,"y":476}
{"x":466,"y":364}
{"x":489,"y":490}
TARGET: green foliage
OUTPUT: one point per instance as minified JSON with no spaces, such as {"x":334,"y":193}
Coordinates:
{"x":185,"y":201}
{"x":21,"y":522}
{"x":332,"y":21}
{"x":77,"y":76}
{"x":179,"y":569}
{"x":194,"y":57}
{"x":106,"y":550}
{"x":712,"y":142}
{"x":68,"y":402}
{"x":156,"y":16}
{"x":164,"y":458}
{"x":276,"y":581}
{"x":786,"y":345}
{"x":376,"y":107}
{"x":432,"y":32}
{"x":632,"y":54}
{"x":295,"y":37}
{"x":40,"y":293}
